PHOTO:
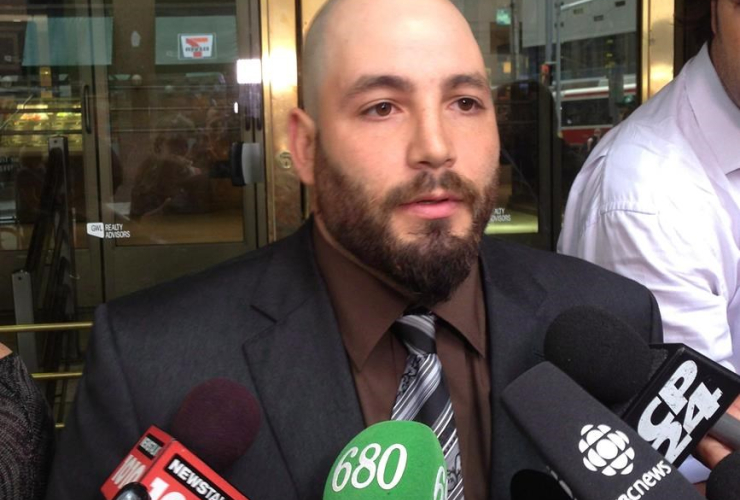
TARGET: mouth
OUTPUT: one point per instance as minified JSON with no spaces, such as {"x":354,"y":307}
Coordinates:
{"x":435,"y":205}
{"x":434,"y":198}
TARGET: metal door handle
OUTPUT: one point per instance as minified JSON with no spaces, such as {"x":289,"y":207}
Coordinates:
{"x":86,"y":109}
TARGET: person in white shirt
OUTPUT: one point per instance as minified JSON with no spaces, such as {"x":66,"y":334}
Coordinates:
{"x":658,"y":200}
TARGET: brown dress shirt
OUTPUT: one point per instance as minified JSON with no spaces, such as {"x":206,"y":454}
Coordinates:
{"x":366,"y":307}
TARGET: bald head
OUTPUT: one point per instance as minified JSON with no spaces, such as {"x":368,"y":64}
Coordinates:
{"x":352,"y":29}
{"x":313,"y":54}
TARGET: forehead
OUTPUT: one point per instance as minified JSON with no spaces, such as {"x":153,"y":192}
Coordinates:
{"x":420,"y":47}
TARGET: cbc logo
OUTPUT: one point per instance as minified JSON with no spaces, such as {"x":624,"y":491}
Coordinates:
{"x":605,"y":450}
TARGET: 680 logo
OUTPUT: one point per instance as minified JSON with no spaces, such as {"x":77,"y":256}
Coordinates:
{"x":367,"y":470}
{"x":374,"y":467}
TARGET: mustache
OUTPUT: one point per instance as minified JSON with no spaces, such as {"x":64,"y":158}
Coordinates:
{"x":426,"y":182}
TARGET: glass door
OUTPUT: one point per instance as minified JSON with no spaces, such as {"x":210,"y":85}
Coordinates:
{"x":45,"y":89}
{"x":183,"y":86}
{"x":174,"y":112}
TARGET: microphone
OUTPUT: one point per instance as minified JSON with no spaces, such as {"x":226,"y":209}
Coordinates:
{"x":530,"y":484}
{"x":588,"y":447}
{"x":724,"y":480}
{"x":397,"y":459}
{"x":671,"y":394}
{"x":133,"y":491}
{"x":218,"y":421}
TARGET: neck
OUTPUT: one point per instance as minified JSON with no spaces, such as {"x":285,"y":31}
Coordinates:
{"x":349,"y":255}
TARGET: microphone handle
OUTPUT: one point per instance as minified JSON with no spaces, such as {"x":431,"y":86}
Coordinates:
{"x":133,"y":491}
{"x":727,"y":430}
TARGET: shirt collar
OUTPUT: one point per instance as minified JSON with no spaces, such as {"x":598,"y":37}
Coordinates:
{"x":465,"y":310}
{"x":718,"y":117}
{"x":366,"y":307}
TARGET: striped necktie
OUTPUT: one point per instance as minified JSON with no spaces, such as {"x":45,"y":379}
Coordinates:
{"x":423,"y":396}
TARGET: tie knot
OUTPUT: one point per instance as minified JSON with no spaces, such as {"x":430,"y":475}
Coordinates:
{"x":416,"y":330}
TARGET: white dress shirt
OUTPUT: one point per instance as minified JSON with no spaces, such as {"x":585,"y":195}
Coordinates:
{"x":658,"y":201}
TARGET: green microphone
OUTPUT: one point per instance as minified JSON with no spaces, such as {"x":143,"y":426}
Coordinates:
{"x":394,"y":459}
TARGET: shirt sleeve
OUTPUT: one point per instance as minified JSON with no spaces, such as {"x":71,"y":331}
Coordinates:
{"x":663,"y":233}
{"x":667,"y":238}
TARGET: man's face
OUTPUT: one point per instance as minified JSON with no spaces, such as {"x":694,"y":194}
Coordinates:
{"x":725,"y":49}
{"x":408,"y":153}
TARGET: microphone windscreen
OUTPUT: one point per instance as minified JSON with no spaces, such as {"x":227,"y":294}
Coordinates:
{"x":391,"y":460}
{"x":605,"y":355}
{"x":530,"y":484}
{"x":590,"y":449}
{"x":724,"y":480}
{"x":218,"y":421}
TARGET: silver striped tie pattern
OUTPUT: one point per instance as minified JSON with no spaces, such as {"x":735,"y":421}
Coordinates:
{"x":423,"y":395}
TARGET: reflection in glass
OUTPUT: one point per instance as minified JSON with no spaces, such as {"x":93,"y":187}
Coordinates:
{"x":171,"y":129}
{"x":563,"y":73}
{"x":147,"y":95}
{"x":29,"y":116}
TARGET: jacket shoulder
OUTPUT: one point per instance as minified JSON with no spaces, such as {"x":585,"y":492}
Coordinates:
{"x":549,"y":268}
{"x":219,"y":297}
{"x":569,"y":281}
{"x":215,"y":283}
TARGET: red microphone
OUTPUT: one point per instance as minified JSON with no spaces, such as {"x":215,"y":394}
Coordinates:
{"x":218,"y":421}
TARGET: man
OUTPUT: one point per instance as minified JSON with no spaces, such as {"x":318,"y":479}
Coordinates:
{"x":659,"y":199}
{"x":399,"y":146}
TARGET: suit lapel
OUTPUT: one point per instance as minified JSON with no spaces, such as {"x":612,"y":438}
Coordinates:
{"x":300,"y":368}
{"x":513,"y":301}
{"x":514,"y":298}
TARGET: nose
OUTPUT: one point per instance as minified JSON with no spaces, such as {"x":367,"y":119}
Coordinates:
{"x":431,"y":144}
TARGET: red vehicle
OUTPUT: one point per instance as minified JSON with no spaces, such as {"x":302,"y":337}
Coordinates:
{"x":585,"y":107}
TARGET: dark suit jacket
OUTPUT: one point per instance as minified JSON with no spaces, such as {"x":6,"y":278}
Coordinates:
{"x":265,"y":320}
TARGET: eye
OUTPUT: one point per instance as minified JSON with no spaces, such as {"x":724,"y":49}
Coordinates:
{"x":467,"y":104}
{"x":381,"y":109}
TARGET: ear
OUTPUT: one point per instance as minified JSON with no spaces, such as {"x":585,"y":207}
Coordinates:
{"x":302,"y":136}
{"x":714,"y":17}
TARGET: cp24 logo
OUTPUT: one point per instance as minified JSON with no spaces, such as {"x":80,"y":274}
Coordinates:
{"x":676,"y":432}
{"x":362,"y":469}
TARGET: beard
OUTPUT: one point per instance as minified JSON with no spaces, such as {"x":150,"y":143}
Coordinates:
{"x":436,"y":261}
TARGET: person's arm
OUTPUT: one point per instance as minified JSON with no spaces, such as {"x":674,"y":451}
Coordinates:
{"x":685,"y":276}
{"x":26,"y":431}
{"x":102,"y":426}
{"x":665,"y":233}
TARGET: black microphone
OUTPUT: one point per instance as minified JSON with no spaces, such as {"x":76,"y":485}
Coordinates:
{"x":589,"y":448}
{"x":133,"y":491}
{"x":724,"y":480}
{"x":530,"y":484}
{"x":671,"y":394}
